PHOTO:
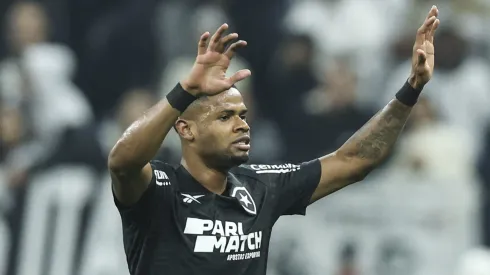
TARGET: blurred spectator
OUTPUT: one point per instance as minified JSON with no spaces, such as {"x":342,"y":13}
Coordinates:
{"x":188,"y":20}
{"x":117,"y":47}
{"x":469,"y":16}
{"x":484,"y":171}
{"x":133,"y":104}
{"x":26,"y":26}
{"x":11,"y":135}
{"x":331,"y":112}
{"x":474,"y":262}
{"x":435,"y":159}
{"x":290,"y":76}
{"x":12,"y":130}
{"x":347,"y":260}
{"x":36,"y":80}
{"x":260,"y":24}
{"x":340,"y":27}
{"x":435,"y":149}
{"x":348,"y":27}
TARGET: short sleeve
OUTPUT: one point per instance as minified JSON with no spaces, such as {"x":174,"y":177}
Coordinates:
{"x":149,"y":202}
{"x":292,"y":185}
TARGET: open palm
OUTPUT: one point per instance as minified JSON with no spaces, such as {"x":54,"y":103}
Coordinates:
{"x":208,"y":75}
{"x":423,"y":50}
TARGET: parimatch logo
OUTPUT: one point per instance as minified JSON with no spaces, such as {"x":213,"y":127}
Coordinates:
{"x":224,"y":237}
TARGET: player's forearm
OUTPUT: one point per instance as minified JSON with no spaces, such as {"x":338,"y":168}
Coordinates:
{"x":370,"y":145}
{"x":141,"y":141}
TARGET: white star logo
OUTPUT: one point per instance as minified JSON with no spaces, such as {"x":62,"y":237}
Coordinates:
{"x":245,"y":200}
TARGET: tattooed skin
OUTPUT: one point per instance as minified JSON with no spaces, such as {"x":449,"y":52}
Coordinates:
{"x":375,"y":139}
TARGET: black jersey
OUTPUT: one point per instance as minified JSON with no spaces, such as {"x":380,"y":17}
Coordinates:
{"x":178,"y":227}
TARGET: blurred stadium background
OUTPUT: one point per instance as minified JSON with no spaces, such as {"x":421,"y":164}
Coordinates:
{"x":75,"y":74}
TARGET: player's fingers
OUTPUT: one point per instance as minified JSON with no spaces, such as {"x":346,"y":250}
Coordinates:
{"x":421,"y":57}
{"x":238,"y":76}
{"x":432,"y":12}
{"x":230,"y":52}
{"x":425,"y":28}
{"x":202,"y":45}
{"x":428,"y":24}
{"x":225,"y":40}
{"x":433,"y":30}
{"x":215,"y":39}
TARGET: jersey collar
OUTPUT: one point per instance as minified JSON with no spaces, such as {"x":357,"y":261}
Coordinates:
{"x":235,"y":190}
{"x":187,"y":183}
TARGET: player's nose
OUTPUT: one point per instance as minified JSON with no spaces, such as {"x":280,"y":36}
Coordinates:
{"x":242,"y":126}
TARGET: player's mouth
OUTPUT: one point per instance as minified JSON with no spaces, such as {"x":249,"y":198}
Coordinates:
{"x":242,"y":143}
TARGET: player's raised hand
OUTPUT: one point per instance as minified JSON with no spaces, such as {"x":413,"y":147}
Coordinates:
{"x":423,"y":50}
{"x":208,"y":75}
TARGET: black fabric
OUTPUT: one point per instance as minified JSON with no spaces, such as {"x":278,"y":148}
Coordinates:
{"x":179,"y":98}
{"x":179,"y":227}
{"x":408,"y":95}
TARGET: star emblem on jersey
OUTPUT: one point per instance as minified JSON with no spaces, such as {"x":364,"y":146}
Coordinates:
{"x":189,"y":199}
{"x":245,"y":199}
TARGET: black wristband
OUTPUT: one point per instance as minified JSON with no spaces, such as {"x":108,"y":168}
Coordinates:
{"x":408,"y":95}
{"x":179,"y":98}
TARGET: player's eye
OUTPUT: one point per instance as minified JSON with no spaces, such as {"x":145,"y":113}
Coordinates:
{"x":243,"y":117}
{"x":224,"y":118}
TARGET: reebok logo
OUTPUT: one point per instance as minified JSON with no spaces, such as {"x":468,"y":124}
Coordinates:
{"x":161,"y":178}
{"x":274,"y":169}
{"x":188,"y":198}
{"x":224,"y":237}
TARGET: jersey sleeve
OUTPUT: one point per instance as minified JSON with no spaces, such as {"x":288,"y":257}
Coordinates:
{"x":152,"y":200}
{"x":291,"y":185}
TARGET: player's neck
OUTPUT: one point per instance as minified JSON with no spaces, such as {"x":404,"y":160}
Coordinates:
{"x":212,"y":179}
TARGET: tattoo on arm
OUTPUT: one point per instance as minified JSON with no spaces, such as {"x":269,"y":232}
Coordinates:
{"x":374,"y":141}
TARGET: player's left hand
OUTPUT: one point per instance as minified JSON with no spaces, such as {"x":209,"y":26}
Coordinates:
{"x":423,"y":51}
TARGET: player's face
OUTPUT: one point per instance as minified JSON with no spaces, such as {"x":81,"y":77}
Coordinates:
{"x":223,"y":134}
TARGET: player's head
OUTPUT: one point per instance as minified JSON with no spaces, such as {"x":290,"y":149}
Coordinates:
{"x":214,"y":129}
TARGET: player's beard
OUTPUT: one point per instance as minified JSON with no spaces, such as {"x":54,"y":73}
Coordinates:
{"x":239,"y":160}
{"x":228,"y":160}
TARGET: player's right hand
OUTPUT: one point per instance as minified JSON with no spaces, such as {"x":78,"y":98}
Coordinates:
{"x":208,"y":75}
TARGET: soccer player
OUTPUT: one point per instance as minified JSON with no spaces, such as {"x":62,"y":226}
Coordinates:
{"x":212,"y":214}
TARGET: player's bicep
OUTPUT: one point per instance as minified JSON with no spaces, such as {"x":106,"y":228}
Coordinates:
{"x":336,"y":173}
{"x":129,"y":187}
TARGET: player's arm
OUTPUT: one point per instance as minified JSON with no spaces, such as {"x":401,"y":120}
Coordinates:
{"x":370,"y":145}
{"x":129,"y":159}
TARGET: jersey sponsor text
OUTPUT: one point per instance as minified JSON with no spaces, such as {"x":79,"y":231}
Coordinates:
{"x":224,"y":237}
{"x":275,"y":169}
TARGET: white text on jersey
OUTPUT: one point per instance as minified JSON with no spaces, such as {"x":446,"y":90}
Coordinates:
{"x":224,"y":237}
{"x":274,"y":169}
{"x":161,"y":178}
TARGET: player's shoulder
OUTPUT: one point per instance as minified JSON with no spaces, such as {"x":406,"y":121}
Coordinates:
{"x":159,"y":164}
{"x":163,"y":173}
{"x":265,"y":170}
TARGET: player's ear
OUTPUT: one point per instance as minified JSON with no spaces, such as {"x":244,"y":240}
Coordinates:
{"x":183,"y":128}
